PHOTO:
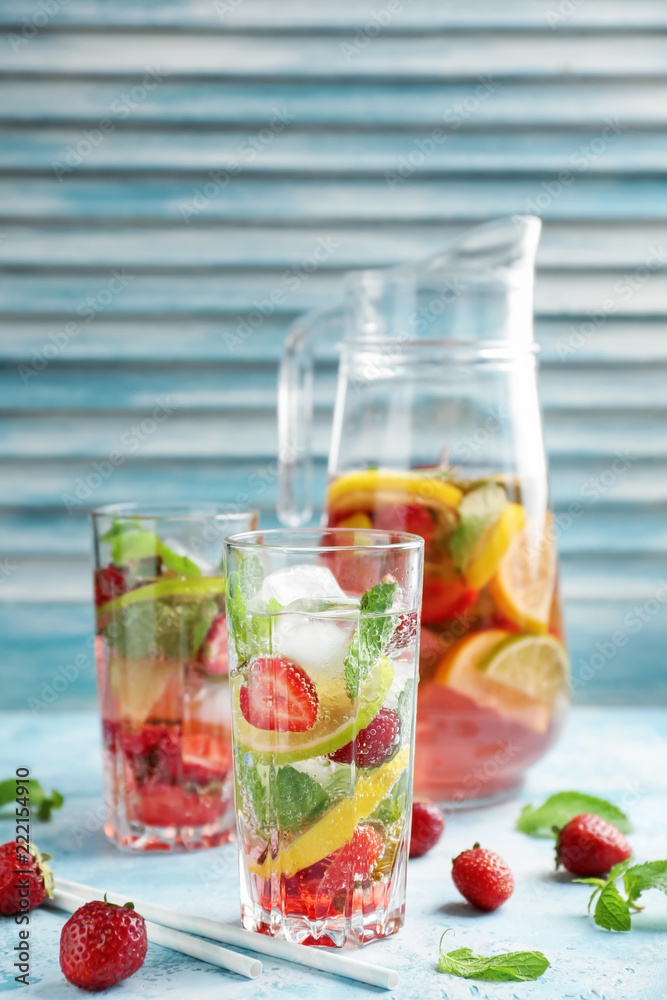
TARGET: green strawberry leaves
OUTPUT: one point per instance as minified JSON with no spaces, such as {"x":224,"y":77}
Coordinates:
{"x":371,"y":637}
{"x":513,"y":966}
{"x":41,"y":804}
{"x":612,"y":911}
{"x":560,"y":808}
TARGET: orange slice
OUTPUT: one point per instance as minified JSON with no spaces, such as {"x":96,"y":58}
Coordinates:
{"x":461,"y":669}
{"x":511,"y":521}
{"x":524,"y":583}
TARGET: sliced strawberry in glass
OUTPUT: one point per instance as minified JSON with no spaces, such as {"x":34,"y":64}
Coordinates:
{"x":110,"y":582}
{"x":213,"y":654}
{"x":278,"y":696}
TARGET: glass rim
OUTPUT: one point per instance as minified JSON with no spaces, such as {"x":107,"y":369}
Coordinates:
{"x":250,"y":540}
{"x":203,"y":510}
{"x":497,"y":348}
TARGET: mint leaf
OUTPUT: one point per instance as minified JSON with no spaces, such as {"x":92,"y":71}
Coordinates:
{"x":252,"y":793}
{"x":41,"y":804}
{"x":392,"y":808}
{"x":161,"y":629}
{"x":560,"y":808}
{"x":236,"y":616}
{"x":371,"y":636}
{"x":405,"y":705}
{"x":478,"y":512}
{"x":299,"y":798}
{"x":251,"y":575}
{"x":639,"y":878}
{"x":513,"y":966}
{"x":611,"y":910}
{"x":130,"y":543}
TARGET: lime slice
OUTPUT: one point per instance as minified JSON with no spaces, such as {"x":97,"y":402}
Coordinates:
{"x":337,"y":826}
{"x":536,"y":665}
{"x":338,"y":720}
{"x":168,"y":587}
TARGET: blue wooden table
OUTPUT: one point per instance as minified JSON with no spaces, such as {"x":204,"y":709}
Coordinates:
{"x":617,"y":753}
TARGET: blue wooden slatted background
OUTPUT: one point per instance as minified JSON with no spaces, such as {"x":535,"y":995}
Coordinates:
{"x":112,"y":118}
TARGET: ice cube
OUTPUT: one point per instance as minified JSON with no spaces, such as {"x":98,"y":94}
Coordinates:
{"x":320,"y":647}
{"x":295,"y":582}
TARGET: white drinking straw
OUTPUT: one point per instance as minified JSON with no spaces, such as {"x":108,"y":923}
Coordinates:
{"x":173,"y":939}
{"x":328,"y":960}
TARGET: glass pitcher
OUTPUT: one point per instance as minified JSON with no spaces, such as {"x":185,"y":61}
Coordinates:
{"x":437,"y":431}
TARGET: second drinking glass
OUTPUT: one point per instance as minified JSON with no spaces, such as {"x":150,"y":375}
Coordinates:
{"x":161,"y":650}
{"x":323,"y":651}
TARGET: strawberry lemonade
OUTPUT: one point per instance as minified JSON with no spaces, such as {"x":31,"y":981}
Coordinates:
{"x":323,"y":684}
{"x":162,"y":664}
{"x":494,"y":673}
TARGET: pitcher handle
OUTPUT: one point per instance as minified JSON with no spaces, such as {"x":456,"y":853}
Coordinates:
{"x":295,"y":413}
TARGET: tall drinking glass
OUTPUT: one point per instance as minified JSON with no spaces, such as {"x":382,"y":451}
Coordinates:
{"x":162,"y":670}
{"x":323,"y":646}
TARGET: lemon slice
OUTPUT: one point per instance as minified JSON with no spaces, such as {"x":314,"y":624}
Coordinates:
{"x":337,"y":826}
{"x":524,"y":584}
{"x":535,"y":665}
{"x":338,"y":720}
{"x":461,"y":670}
{"x":378,"y":487}
{"x":511,"y":521}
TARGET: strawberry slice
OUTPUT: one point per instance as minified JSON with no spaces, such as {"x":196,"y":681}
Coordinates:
{"x":110,"y":582}
{"x":406,"y":517}
{"x":213,"y":654}
{"x":354,"y":862}
{"x":278,"y":696}
{"x":443,"y":599}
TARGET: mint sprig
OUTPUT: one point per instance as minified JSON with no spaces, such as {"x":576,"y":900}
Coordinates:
{"x":560,"y":808}
{"x":41,"y":804}
{"x":612,"y":910}
{"x":294,"y":800}
{"x":512,"y":966}
{"x":250,"y":632}
{"x":478,"y":511}
{"x":371,"y":637}
{"x":130,"y":543}
{"x":162,"y":629}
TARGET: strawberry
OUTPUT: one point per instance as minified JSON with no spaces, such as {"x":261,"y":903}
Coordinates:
{"x":404,"y":634}
{"x":213,"y":654}
{"x":375,"y":744}
{"x":428,"y":822}
{"x":483,"y":878}
{"x":22,"y":869}
{"x":590,"y":846}
{"x":110,"y":582}
{"x":153,"y":753}
{"x":409,"y":517}
{"x":101,"y":944}
{"x":354,"y":862}
{"x":278,"y":696}
{"x":443,"y":599}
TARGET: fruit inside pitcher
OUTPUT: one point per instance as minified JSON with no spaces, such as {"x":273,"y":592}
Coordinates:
{"x":494,"y":671}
